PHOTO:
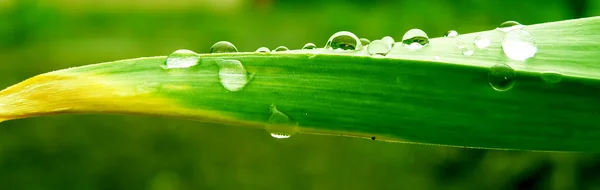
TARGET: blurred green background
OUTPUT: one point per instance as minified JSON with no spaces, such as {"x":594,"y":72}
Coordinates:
{"x":135,"y":152}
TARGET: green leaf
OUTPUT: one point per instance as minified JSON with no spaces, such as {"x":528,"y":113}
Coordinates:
{"x":434,"y":95}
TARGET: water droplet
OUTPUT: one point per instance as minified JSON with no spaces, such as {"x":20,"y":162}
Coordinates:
{"x":519,"y":45}
{"x":509,"y":26}
{"x":437,"y":58}
{"x":365,"y":41}
{"x":467,"y":52}
{"x":415,"y":38}
{"x":482,"y":41}
{"x":280,"y":125}
{"x":223,"y":47}
{"x":280,"y":48}
{"x":502,"y":77}
{"x":552,"y":77}
{"x":309,"y":46}
{"x":343,"y":41}
{"x":232,"y":75}
{"x":389,"y":40}
{"x":451,"y":34}
{"x":378,"y":47}
{"x":373,"y":138}
{"x":263,"y":50}
{"x":182,"y":58}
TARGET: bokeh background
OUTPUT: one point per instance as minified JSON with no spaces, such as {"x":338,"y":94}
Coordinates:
{"x":94,"y":152}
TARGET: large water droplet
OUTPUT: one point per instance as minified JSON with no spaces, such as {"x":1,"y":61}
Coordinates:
{"x":309,"y":46}
{"x":451,"y":34}
{"x":343,"y":41}
{"x":364,"y":41}
{"x":509,"y":26}
{"x":223,"y":47}
{"x":280,"y":125}
{"x":502,"y":77}
{"x":378,"y":47}
{"x":415,"y":39}
{"x":482,"y":41}
{"x":182,"y":58}
{"x":233,"y":75}
{"x":389,"y":40}
{"x":263,"y":50}
{"x":552,"y":77}
{"x":519,"y":45}
{"x":280,"y":48}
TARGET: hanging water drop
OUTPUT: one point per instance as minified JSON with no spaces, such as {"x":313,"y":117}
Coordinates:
{"x":280,"y":125}
{"x":519,"y":45}
{"x":223,"y":47}
{"x":232,"y":75}
{"x":451,"y":34}
{"x":378,"y":47}
{"x":389,"y":40}
{"x":280,"y":48}
{"x":263,"y":50}
{"x":509,"y":26}
{"x":482,"y":41}
{"x":309,"y":46}
{"x":343,"y":41}
{"x":182,"y":59}
{"x":415,"y":39}
{"x":552,"y":77}
{"x":364,"y":41}
{"x":502,"y":77}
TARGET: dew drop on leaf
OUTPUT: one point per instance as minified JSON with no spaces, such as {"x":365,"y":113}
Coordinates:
{"x":280,"y":48}
{"x":181,"y":59}
{"x":482,"y":41}
{"x":364,"y":41}
{"x":389,"y":40}
{"x":552,"y":77}
{"x":519,"y":45}
{"x":232,"y":75}
{"x":223,"y":47}
{"x":280,"y":125}
{"x":451,"y":34}
{"x":501,"y":77}
{"x":467,"y":52}
{"x":378,"y":47}
{"x":263,"y":50}
{"x":415,"y":39}
{"x":509,"y":26}
{"x":309,"y":46}
{"x":343,"y":40}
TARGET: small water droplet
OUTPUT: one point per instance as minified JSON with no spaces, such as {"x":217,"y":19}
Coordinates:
{"x":467,"y":52}
{"x":280,"y":48}
{"x":451,"y":34}
{"x":482,"y":41}
{"x":509,"y":26}
{"x":519,"y":45}
{"x":364,"y":41}
{"x":414,"y":37}
{"x":552,"y":77}
{"x":389,"y":40}
{"x":502,"y":77}
{"x":343,"y":41}
{"x":280,"y":125}
{"x":232,"y":75}
{"x":309,"y":46}
{"x":437,"y":58}
{"x":378,"y":47}
{"x":182,"y":58}
{"x":223,"y":47}
{"x":373,"y":138}
{"x":263,"y":50}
